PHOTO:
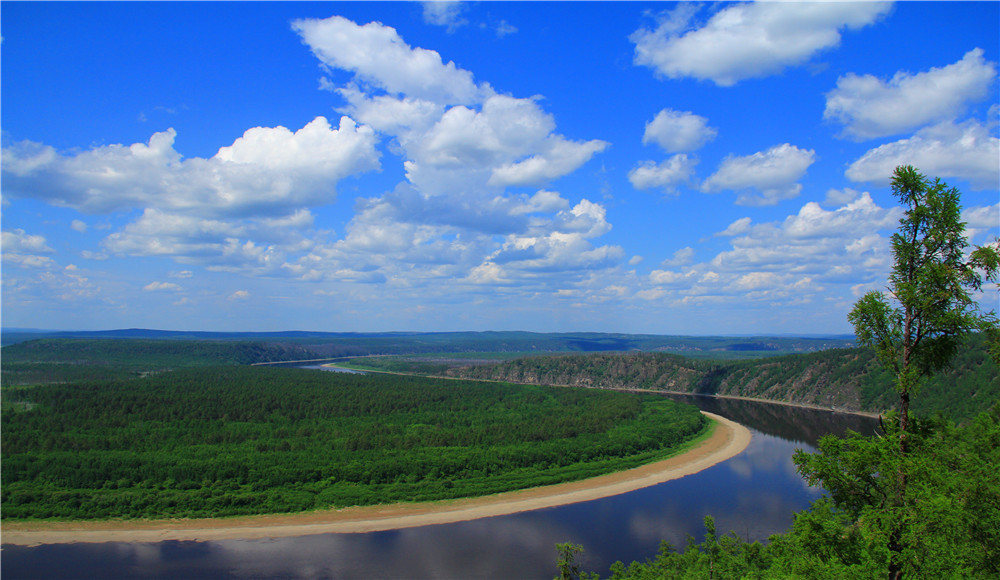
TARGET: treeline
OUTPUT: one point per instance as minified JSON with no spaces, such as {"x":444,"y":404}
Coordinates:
{"x":335,"y":344}
{"x":845,"y":379}
{"x":61,"y":360}
{"x":219,"y":441}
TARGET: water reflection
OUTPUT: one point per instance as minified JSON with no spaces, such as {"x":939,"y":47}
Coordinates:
{"x":784,"y":421}
{"x":753,"y":494}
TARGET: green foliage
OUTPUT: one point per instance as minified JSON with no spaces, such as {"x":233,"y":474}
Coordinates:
{"x":916,"y":335}
{"x":951,"y":503}
{"x":567,"y":565}
{"x":234,"y":440}
{"x":846,"y":379}
{"x":72,"y":360}
{"x":922,"y":500}
{"x":931,"y":308}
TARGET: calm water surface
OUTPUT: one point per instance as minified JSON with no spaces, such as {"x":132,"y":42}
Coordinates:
{"x":753,"y":494}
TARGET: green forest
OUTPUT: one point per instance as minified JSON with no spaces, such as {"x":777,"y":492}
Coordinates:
{"x":845,"y":379}
{"x":231,"y":440}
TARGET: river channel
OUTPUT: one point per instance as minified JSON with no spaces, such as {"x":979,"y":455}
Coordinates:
{"x":753,"y":494}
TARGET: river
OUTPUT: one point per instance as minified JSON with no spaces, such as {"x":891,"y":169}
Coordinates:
{"x":753,"y":494}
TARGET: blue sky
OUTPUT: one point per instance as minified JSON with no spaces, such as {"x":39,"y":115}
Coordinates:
{"x":601,"y":166}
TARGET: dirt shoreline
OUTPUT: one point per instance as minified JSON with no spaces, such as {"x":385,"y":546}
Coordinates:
{"x":728,"y":440}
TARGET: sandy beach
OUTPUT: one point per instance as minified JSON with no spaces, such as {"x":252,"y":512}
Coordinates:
{"x":728,"y":440}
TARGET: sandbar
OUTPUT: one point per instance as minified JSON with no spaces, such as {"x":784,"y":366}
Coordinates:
{"x":727,"y":440}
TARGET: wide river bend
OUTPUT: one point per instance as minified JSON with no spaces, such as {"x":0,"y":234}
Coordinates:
{"x":753,"y":494}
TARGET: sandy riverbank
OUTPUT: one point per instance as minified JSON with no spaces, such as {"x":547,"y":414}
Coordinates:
{"x":728,"y":440}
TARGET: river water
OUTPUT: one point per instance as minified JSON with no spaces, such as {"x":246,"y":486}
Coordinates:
{"x":753,"y":494}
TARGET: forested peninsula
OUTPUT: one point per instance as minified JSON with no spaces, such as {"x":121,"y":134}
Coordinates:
{"x":212,"y":441}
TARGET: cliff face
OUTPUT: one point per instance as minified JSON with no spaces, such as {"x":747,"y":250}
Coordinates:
{"x":842,"y":379}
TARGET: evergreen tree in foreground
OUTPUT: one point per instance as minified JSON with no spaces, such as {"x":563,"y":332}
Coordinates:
{"x":921,"y":500}
{"x":917,"y":326}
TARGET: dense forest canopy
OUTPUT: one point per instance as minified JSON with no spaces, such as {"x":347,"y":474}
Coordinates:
{"x":214,"y":441}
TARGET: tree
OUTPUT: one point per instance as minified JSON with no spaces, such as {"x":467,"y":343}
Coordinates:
{"x":568,"y":568}
{"x":919,"y":324}
{"x":930,"y":287}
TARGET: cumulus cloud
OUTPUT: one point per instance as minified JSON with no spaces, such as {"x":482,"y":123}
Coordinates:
{"x":838,"y":197}
{"x":266,"y":171}
{"x":979,"y":220}
{"x":773,"y":173}
{"x":666,"y":175}
{"x":562,"y":245}
{"x":747,"y":40}
{"x":379,"y":56}
{"x":870,"y":107}
{"x":790,"y":260}
{"x":681,"y":257}
{"x":736,"y":228}
{"x":18,"y":241}
{"x":254,"y":246}
{"x":947,"y":150}
{"x":79,"y":226}
{"x":463,"y":145}
{"x":815,"y":240}
{"x":678,"y":131}
{"x":453,"y":217}
{"x":557,"y":157}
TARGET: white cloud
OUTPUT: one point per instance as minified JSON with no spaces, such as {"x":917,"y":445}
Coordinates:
{"x":681,"y":257}
{"x":392,"y":115}
{"x":444,"y":13}
{"x":666,"y":175}
{"x":450,"y":221}
{"x":947,"y":150}
{"x":28,"y":260}
{"x":18,"y":241}
{"x":980,"y":220}
{"x":268,"y":171}
{"x":239,"y":295}
{"x":982,"y":217}
{"x":678,"y":131}
{"x":773,"y":173}
{"x":379,"y":56}
{"x":255,"y":246}
{"x":736,"y":228}
{"x":541,"y":202}
{"x":509,"y":141}
{"x":161,"y":286}
{"x":671,"y":278}
{"x":747,"y":40}
{"x":557,"y":158}
{"x":870,"y":107}
{"x":21,"y":249}
{"x":837,"y":197}
{"x":793,"y":261}
{"x":79,"y":226}
{"x":815,"y":240}
{"x":504,"y":28}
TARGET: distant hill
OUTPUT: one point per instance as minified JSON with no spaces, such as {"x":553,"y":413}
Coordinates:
{"x":817,"y":371}
{"x":843,"y":379}
{"x":362,"y":343}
